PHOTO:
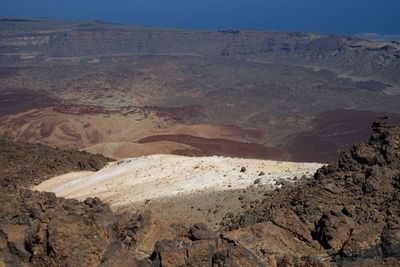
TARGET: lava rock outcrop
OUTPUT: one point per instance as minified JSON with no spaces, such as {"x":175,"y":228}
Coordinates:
{"x":25,"y":164}
{"x":350,"y":209}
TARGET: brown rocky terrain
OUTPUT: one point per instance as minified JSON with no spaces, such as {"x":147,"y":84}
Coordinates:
{"x":350,"y":209}
{"x":127,"y":91}
{"x":23,"y":164}
{"x":347,"y":214}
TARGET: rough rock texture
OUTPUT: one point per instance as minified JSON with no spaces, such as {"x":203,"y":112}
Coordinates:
{"x":51,"y":231}
{"x":199,"y":246}
{"x":351,"y":209}
{"x":39,"y":229}
{"x":347,"y":215}
{"x":24,"y":164}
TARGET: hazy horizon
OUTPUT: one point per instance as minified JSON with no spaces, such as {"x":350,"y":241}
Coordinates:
{"x":339,"y":17}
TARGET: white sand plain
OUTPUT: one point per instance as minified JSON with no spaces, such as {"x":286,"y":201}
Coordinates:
{"x":139,"y":179}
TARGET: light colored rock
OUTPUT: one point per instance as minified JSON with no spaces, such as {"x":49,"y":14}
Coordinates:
{"x":139,"y":179}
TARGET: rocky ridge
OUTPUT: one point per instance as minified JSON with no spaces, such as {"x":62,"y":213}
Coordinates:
{"x":350,"y":209}
{"x":24,"y":165}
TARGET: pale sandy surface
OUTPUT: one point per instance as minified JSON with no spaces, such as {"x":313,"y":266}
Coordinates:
{"x":135,"y":180}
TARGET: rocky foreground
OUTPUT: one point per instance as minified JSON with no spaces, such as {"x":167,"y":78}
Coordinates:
{"x":348,"y":214}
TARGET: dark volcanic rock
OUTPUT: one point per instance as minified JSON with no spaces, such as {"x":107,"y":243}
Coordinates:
{"x":24,"y":164}
{"x":51,"y":231}
{"x":40,"y":229}
{"x":201,"y":231}
{"x":215,"y":252}
{"x":130,"y":226}
{"x":351,"y":208}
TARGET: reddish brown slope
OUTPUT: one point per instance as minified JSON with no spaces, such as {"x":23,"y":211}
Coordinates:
{"x":333,"y":131}
{"x":14,"y":100}
{"x":216,"y":146}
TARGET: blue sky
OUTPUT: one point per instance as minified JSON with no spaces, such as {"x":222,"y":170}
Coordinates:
{"x":327,"y":16}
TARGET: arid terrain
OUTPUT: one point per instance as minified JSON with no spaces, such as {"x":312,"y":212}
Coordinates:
{"x":169,"y":181}
{"x":137,"y":146}
{"x":127,"y":91}
{"x":347,"y":214}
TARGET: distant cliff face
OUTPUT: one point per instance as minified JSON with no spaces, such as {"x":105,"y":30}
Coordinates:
{"x":64,"y":39}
